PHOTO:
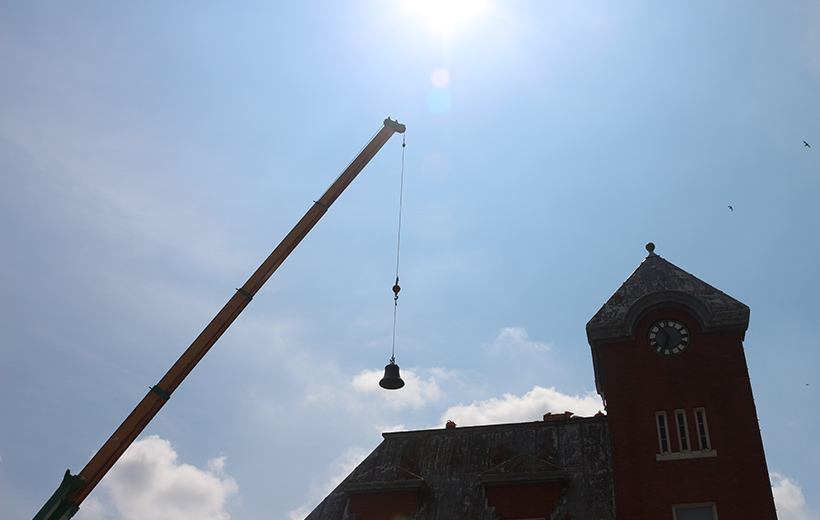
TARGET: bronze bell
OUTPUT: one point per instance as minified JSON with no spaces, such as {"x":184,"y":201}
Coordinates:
{"x":391,"y":379}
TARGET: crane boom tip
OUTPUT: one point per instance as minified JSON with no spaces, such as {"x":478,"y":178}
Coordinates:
{"x":395,"y":125}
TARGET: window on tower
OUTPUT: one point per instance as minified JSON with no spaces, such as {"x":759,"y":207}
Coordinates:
{"x":683,"y":430}
{"x":695,"y":512}
{"x":702,"y":429}
{"x":663,"y":431}
{"x":683,"y":449}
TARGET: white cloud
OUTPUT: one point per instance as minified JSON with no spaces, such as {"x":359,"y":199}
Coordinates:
{"x":149,"y":482}
{"x":340,"y":468}
{"x":530,"y":407}
{"x":300,"y":513}
{"x":417,"y":390}
{"x":516,"y":339}
{"x":789,"y":499}
{"x":391,"y":428}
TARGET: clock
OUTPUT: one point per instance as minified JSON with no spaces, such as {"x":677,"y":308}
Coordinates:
{"x":668,"y":337}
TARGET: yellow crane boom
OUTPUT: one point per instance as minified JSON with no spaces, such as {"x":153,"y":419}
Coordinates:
{"x":75,"y":488}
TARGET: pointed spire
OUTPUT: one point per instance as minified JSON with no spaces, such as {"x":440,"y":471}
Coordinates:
{"x":655,"y":282}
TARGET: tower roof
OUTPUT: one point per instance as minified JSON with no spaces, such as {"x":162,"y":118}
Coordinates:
{"x":658,"y":282}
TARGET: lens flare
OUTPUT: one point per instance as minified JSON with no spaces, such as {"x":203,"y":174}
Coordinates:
{"x":440,"y":78}
{"x":438,"y":100}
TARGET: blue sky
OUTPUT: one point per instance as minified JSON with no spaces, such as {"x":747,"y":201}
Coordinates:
{"x":152,"y":155}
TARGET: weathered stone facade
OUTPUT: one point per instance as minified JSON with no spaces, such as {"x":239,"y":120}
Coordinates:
{"x":452,"y":469}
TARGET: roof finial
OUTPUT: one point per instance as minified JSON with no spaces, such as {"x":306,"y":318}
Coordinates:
{"x":651,"y":248}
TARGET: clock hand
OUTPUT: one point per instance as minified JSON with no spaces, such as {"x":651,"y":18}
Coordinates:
{"x":665,"y":338}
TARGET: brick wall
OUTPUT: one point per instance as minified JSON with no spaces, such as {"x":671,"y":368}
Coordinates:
{"x":711,"y":373}
{"x":533,"y":500}
{"x":387,"y":505}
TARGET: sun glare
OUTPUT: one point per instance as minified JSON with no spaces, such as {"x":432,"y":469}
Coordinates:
{"x":446,"y":16}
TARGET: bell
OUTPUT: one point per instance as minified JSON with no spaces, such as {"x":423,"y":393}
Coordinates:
{"x":391,"y":379}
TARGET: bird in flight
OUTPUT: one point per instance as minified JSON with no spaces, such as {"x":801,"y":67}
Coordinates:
{"x":807,"y":144}
{"x":731,"y":208}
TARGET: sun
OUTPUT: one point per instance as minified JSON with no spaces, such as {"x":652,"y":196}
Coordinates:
{"x":446,"y":16}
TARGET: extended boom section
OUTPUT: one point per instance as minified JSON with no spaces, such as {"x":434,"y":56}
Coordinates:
{"x":75,"y":488}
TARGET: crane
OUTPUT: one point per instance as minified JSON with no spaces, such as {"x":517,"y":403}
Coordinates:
{"x":65,"y":502}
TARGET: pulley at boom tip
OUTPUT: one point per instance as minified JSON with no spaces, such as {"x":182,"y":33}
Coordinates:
{"x":395,"y":125}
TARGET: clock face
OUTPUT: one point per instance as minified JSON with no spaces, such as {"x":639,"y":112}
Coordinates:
{"x":668,"y":337}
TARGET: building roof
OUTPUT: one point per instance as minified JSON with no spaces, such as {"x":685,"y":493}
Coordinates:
{"x":452,"y":468}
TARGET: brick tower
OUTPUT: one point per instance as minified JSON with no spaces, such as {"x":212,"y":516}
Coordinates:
{"x":667,"y":350}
